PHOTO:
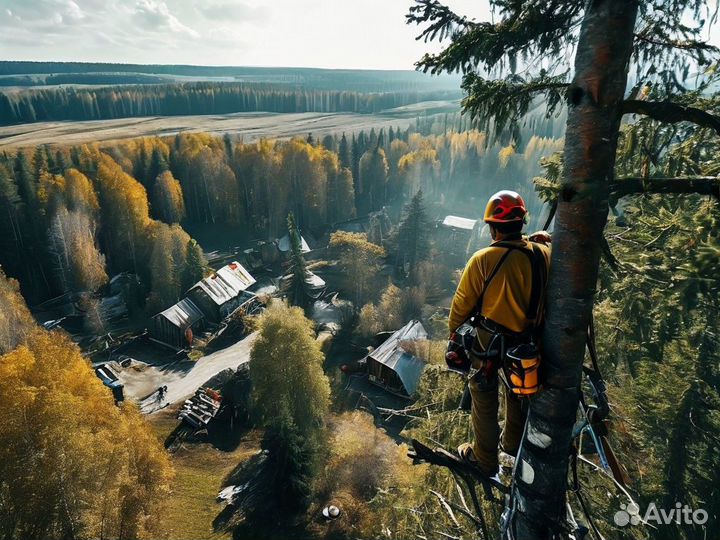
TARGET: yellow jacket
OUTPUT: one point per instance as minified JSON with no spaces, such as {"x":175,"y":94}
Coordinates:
{"x":508,"y":295}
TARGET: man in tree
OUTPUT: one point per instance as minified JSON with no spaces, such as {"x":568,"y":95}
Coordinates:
{"x":606,"y":39}
{"x":499,"y":287}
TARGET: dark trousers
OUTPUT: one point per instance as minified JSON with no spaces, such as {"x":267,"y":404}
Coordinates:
{"x":484,"y":390}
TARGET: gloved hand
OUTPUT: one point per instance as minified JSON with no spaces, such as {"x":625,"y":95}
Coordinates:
{"x":540,"y":237}
{"x":456,"y":356}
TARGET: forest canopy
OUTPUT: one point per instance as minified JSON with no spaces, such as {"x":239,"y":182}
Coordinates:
{"x":107,"y":102}
{"x":74,"y":217}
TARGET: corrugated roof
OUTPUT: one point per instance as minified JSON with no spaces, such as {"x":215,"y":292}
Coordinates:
{"x":227,"y":283}
{"x":315,"y":281}
{"x":458,"y":222}
{"x":408,"y":367}
{"x":183,"y":314}
{"x":284,"y":244}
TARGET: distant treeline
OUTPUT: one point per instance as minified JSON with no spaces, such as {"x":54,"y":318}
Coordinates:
{"x":81,"y":78}
{"x":359,"y":80}
{"x":70,"y":103}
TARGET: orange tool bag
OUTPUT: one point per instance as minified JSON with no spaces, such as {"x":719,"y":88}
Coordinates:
{"x":521,"y":364}
{"x":522,"y":369}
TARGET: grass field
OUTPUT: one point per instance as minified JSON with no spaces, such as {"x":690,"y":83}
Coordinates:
{"x":250,"y":126}
{"x":200,"y":470}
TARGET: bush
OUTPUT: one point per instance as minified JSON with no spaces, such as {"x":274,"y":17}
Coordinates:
{"x":395,"y":308}
{"x":367,"y":475}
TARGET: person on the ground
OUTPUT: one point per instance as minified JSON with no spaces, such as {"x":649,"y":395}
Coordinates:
{"x":497,"y":282}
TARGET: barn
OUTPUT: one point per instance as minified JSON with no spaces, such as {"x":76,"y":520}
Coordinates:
{"x":178,"y":324}
{"x":456,"y":233}
{"x":392,"y":367}
{"x":222,"y":293}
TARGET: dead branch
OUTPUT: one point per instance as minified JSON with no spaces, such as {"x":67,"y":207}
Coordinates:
{"x":700,"y":185}
{"x":405,"y":412}
{"x":666,"y":111}
{"x":468,"y":472}
{"x":446,"y":535}
{"x":453,"y":506}
{"x":447,"y":508}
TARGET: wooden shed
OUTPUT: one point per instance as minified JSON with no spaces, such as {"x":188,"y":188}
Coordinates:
{"x":392,"y":367}
{"x":178,"y":324}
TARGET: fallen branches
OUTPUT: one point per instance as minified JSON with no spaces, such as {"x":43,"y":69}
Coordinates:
{"x":447,"y":507}
{"x":450,"y":506}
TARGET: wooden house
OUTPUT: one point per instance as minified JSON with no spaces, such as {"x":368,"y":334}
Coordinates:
{"x":178,"y":324}
{"x":392,"y":367}
{"x":220,"y":294}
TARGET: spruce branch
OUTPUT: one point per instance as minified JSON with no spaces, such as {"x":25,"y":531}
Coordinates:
{"x":692,"y":45}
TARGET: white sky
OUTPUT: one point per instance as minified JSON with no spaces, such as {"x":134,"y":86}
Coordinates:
{"x":309,"y":33}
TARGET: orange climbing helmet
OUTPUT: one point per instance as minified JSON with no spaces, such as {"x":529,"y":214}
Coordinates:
{"x":504,"y":207}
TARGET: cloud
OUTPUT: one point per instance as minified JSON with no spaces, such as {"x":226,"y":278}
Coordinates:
{"x":362,"y":33}
{"x":226,"y":37}
{"x":42,"y":12}
{"x":155,"y":16}
{"x":234,"y":11}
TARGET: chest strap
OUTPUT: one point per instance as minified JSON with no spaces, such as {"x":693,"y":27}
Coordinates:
{"x":539,"y":278}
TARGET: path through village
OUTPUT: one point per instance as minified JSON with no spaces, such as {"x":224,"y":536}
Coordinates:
{"x":182,"y":385}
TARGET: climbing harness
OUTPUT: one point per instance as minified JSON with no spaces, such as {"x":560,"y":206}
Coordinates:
{"x":519,"y":355}
{"x":516,"y":355}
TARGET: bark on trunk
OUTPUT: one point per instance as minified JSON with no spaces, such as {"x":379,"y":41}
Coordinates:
{"x":594,"y":112}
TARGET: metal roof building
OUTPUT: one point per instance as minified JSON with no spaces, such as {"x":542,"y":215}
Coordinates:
{"x":457,"y":222}
{"x":226,"y":283}
{"x":220,"y":294}
{"x":177,"y":324}
{"x":391,"y":367}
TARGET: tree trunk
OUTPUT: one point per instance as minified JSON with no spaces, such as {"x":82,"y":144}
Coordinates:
{"x":538,"y":507}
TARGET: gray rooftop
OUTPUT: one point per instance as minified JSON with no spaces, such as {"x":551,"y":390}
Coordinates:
{"x":227,"y":283}
{"x":392,"y":354}
{"x":183,"y":314}
{"x":284,"y":244}
{"x":457,"y":222}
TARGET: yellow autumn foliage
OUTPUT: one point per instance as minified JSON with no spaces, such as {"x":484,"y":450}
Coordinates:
{"x":72,"y":464}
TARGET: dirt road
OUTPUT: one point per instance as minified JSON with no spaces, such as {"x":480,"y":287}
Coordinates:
{"x":251,"y":126}
{"x":180,"y":386}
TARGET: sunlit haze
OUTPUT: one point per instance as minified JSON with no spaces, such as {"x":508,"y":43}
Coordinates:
{"x":369,"y":34}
